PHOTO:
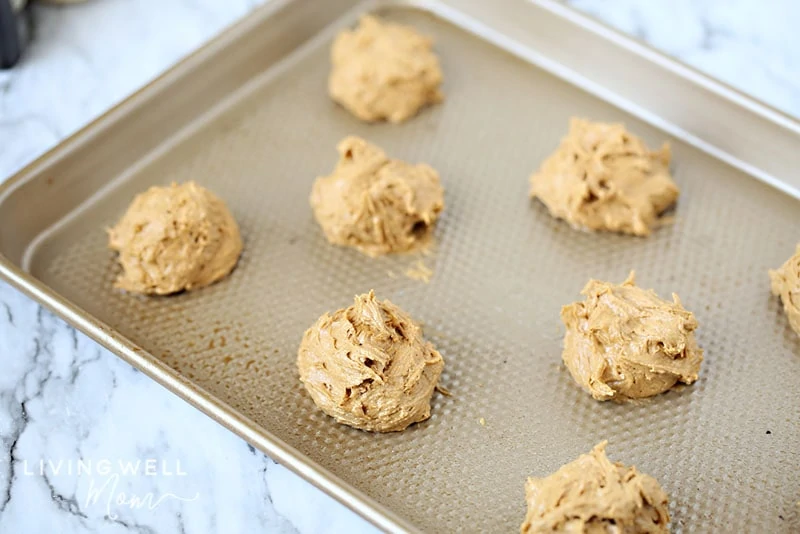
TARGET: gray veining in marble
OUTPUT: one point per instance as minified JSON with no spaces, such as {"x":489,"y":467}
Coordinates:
{"x":62,"y":397}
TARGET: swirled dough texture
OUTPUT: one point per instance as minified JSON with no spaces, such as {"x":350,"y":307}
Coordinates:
{"x":624,"y":342}
{"x":786,"y":284}
{"x":368,"y":366}
{"x":602,"y":177}
{"x":175,"y":238}
{"x":592,"y":495}
{"x":376,"y":204}
{"x":384,"y":71}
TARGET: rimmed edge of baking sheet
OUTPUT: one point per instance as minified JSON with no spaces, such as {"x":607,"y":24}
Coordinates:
{"x":771,"y":123}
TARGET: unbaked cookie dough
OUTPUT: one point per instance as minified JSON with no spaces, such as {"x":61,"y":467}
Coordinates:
{"x":592,"y":495}
{"x":175,"y":238}
{"x":384,"y":71}
{"x":624,"y":342}
{"x":786,"y":284}
{"x":376,"y":204}
{"x":602,"y":177}
{"x":368,"y":366}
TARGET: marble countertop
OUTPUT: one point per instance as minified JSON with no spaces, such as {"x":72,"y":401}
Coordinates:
{"x":64,"y":398}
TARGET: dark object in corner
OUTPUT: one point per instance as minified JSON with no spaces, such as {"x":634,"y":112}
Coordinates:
{"x":13,"y":32}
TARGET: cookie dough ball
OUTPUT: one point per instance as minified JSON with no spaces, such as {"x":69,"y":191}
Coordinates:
{"x":624,"y":342}
{"x":592,"y":495}
{"x":786,"y":284}
{"x":368,"y":366}
{"x":602,"y":177}
{"x":175,"y":238}
{"x":384,"y":71}
{"x":376,"y":204}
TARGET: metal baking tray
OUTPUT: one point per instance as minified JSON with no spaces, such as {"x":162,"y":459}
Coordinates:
{"x":248,"y":116}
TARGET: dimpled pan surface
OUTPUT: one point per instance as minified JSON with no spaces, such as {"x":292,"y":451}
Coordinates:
{"x":725,"y":449}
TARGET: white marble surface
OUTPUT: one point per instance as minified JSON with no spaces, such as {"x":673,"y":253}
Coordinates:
{"x":63,"y":398}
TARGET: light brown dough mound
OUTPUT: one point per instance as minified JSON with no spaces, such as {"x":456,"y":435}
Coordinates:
{"x":376,"y":204}
{"x":786,"y":284}
{"x":602,"y":177}
{"x":384,"y":71}
{"x":591,"y":495}
{"x":175,"y":238}
{"x":368,"y":366}
{"x":624,"y":342}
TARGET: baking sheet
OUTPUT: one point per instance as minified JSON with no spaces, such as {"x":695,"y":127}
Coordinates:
{"x":725,"y":449}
